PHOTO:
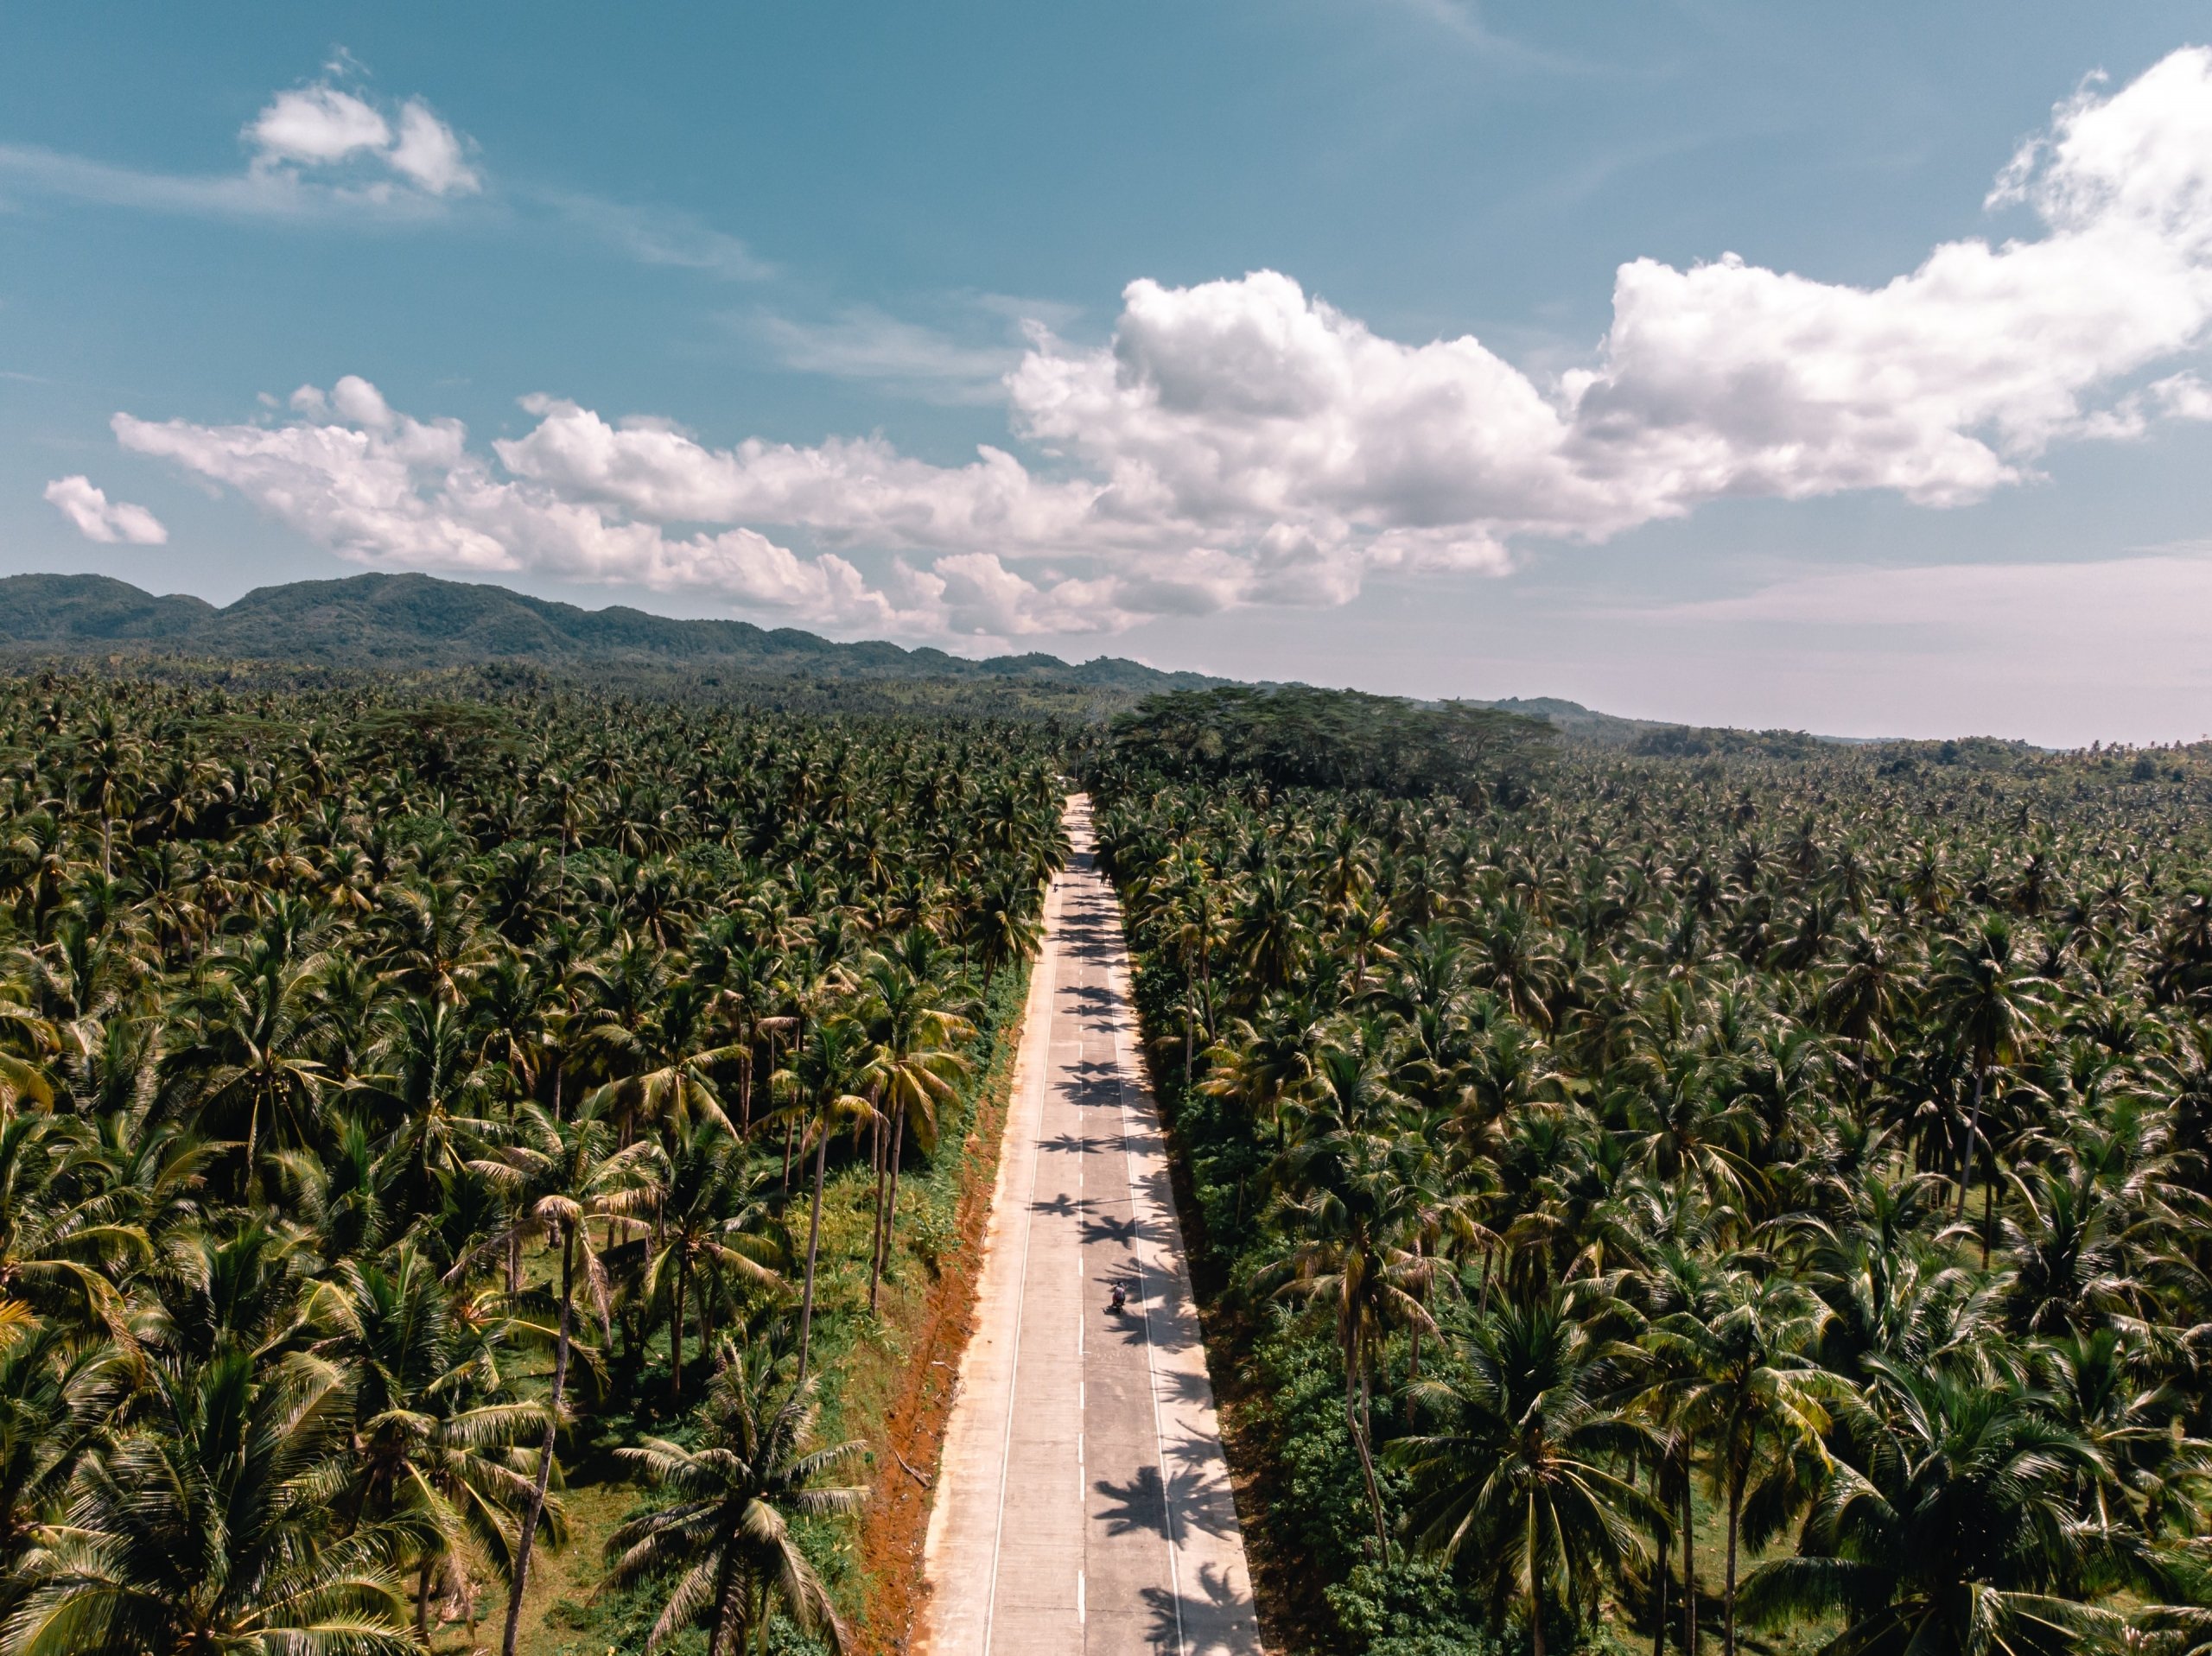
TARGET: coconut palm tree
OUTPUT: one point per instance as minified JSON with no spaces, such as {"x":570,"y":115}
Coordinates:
{"x":63,"y":1238}
{"x":1989,"y":999}
{"x":710,"y":1224}
{"x":251,"y":1052}
{"x":562,"y":1175}
{"x":431,"y":1441}
{"x":428,"y":1088}
{"x":727,"y":1537}
{"x":109,"y":761}
{"x":1945,"y":1529}
{"x":1754,"y":1397}
{"x":911,"y":1071}
{"x":1513,"y":1476}
{"x":1356,"y":1247}
{"x":57,"y":1396}
{"x":209,"y":1526}
{"x":822,"y":1082}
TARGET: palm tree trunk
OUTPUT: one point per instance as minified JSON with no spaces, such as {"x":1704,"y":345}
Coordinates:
{"x":1974,"y":1131}
{"x":1728,"y":1604}
{"x":718,"y":1625}
{"x":676,"y":1339}
{"x":1535,"y":1593}
{"x":890,"y":1214}
{"x":422,"y":1600}
{"x":813,"y":1245}
{"x":536,"y":1509}
{"x":1366,"y":1458}
{"x":875,"y":1229}
{"x":1689,"y":1553}
{"x":1659,"y":1583}
{"x":890,"y":1205}
{"x":1205,"y":976}
{"x":1988,"y":1203}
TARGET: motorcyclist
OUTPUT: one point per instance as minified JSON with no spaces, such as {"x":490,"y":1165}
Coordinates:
{"x":1118,"y":1301}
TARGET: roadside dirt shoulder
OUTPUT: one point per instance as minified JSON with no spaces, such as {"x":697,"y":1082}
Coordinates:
{"x":931,"y":1330}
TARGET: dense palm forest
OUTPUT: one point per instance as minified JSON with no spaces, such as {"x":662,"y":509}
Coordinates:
{"x":1692,"y":1199}
{"x":402,"y":1101}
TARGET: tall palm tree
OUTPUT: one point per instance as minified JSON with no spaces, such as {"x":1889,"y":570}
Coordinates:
{"x":1754,"y":1396}
{"x":910,"y":1071}
{"x":209,"y":1527}
{"x":57,"y":1396}
{"x":1989,"y":999}
{"x":110,"y":758}
{"x":251,"y":1056}
{"x":675,"y":1090}
{"x":429,"y":1440}
{"x":1513,"y":1478}
{"x":431,"y":1093}
{"x":1866,"y":992}
{"x":1355,"y":1247}
{"x":562,"y":1175}
{"x":822,"y":1079}
{"x":727,"y":1537}
{"x":709,"y":1224}
{"x":1270,"y":928}
{"x":1944,"y":1529}
{"x":63,"y":1245}
{"x":1260,"y":1061}
{"x":1006,"y":927}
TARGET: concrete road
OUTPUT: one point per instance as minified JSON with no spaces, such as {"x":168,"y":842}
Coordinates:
{"x":1084,"y":1504}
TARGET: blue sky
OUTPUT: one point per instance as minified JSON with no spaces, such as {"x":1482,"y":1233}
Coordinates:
{"x":1391,"y":344}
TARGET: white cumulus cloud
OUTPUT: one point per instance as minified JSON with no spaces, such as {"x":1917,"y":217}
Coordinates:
{"x":324,"y":125}
{"x":428,"y":153}
{"x":319,"y":152}
{"x":384,"y":489}
{"x":98,"y":519}
{"x":316,"y":125}
{"x":1245,"y":442}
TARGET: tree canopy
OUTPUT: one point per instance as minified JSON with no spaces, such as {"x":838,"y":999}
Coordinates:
{"x":1727,"y":1193}
{"x":404,"y":1089}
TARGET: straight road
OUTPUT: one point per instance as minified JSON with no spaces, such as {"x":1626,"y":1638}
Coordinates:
{"x":1084,"y":1504}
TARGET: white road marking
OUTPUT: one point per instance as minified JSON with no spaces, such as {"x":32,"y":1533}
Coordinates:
{"x":1151,"y":1368}
{"x":1014,"y":1385}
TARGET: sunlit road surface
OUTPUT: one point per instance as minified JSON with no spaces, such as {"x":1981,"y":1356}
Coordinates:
{"x":1084,"y":1504}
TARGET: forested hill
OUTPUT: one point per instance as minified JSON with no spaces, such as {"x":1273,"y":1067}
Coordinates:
{"x":418,"y":624}
{"x":413,"y":621}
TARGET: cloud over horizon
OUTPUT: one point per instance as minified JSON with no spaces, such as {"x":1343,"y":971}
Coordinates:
{"x":1242,"y":441}
{"x":98,"y":519}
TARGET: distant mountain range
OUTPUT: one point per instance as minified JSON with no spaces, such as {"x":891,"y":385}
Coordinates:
{"x":414,"y":622}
